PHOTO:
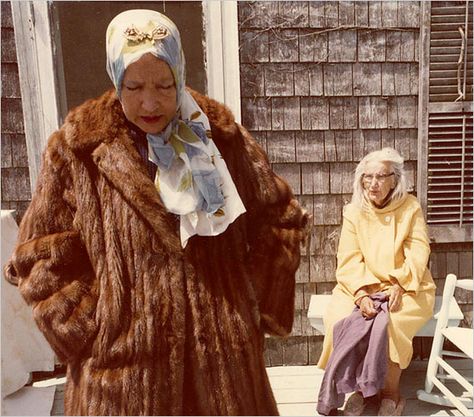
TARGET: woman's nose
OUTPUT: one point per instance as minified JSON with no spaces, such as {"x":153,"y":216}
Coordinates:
{"x":150,"y":102}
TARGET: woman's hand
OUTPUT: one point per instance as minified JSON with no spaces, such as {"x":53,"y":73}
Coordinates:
{"x":395,"y":297}
{"x":366,"y":306}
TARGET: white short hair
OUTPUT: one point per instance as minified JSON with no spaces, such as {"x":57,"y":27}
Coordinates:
{"x":395,"y":160}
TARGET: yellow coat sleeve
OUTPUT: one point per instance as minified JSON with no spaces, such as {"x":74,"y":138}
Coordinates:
{"x":352,"y":273}
{"x":416,"y":252}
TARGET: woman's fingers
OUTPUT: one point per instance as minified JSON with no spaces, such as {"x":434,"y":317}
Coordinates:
{"x":367,"y":308}
{"x":395,"y":300}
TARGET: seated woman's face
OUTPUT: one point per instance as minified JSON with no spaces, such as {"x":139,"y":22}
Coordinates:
{"x":149,"y":94}
{"x":378,"y":180}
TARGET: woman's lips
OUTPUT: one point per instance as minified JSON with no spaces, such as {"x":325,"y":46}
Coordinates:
{"x":150,"y":119}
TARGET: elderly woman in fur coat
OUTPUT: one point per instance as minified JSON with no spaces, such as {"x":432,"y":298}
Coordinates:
{"x":159,"y":247}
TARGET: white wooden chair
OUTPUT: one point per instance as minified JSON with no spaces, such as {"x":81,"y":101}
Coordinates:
{"x":439,"y":371}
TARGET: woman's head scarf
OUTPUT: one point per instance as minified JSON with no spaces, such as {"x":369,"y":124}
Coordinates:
{"x":192,"y":178}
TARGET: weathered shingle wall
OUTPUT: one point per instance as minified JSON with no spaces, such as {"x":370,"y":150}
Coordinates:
{"x":15,"y":175}
{"x":322,"y":84}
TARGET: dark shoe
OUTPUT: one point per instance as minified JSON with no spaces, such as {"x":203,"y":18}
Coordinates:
{"x":355,"y":405}
{"x":388,"y":407}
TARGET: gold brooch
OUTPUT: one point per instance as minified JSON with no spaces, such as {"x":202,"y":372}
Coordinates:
{"x":135,"y":35}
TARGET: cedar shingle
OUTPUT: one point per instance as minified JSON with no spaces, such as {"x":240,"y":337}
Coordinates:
{"x":313,"y":46}
{"x":315,"y":178}
{"x":367,"y":79}
{"x":371,"y":46}
{"x":342,"y":46}
{"x":372,"y":113}
{"x":309,"y":146}
{"x":314,"y":113}
{"x":281,"y":146}
{"x":284,"y":46}
{"x":252,"y":82}
{"x":338,"y":79}
{"x":254,"y":46}
{"x":279,"y":80}
{"x":346,"y":13}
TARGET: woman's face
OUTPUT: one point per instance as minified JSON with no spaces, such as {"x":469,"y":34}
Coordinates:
{"x":149,"y":94}
{"x":378,"y":180}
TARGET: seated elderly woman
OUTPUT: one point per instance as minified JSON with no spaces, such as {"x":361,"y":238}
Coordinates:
{"x":384,"y":250}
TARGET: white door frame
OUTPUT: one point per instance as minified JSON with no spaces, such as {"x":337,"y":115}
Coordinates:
{"x":222,"y":53}
{"x":40,"y":77}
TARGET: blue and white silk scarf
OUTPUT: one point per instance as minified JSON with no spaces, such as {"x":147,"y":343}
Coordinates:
{"x":192,"y":178}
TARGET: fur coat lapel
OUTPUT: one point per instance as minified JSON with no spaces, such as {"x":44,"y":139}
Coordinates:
{"x":111,"y":149}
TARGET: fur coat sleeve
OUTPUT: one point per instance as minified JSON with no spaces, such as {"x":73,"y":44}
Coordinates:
{"x":48,"y":263}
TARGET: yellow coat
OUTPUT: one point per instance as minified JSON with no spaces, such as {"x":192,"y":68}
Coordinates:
{"x":378,"y":247}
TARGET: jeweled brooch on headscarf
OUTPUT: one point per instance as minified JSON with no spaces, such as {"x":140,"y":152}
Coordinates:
{"x":135,"y":35}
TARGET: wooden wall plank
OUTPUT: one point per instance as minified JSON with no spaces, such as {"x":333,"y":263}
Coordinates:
{"x":337,"y":79}
{"x":327,"y":209}
{"x":342,"y":46}
{"x":343,"y":112}
{"x":402,"y":143}
{"x":341,"y":177}
{"x":393,"y":46}
{"x":375,"y":14}
{"x":343,"y":139}
{"x":313,"y":46}
{"x":10,"y":81}
{"x":409,"y":14}
{"x":258,"y":14}
{"x":315,"y":178}
{"x":309,"y":146}
{"x":331,"y":13}
{"x":8,"y":50}
{"x":407,"y":46}
{"x":402,"y":112}
{"x":371,"y":46}
{"x":389,"y":14}
{"x":291,"y":173}
{"x":308,"y":79}
{"x":19,"y":151}
{"x":254,"y":46}
{"x":388,"y":79}
{"x":252,"y":77}
{"x":388,"y":138}
{"x":279,"y":80}
{"x":6,"y":151}
{"x":372,"y":113}
{"x":281,"y":146}
{"x":346,"y":13}
{"x":329,"y":146}
{"x":256,"y":113}
{"x":316,"y":14}
{"x":12,"y":116}
{"x":365,"y":141}
{"x":293,"y":14}
{"x":322,"y":268}
{"x":16,"y":184}
{"x":314,"y":113}
{"x":286,"y":114}
{"x":6,"y":13}
{"x":284,"y":46}
{"x":361,"y":13}
{"x":367,"y":79}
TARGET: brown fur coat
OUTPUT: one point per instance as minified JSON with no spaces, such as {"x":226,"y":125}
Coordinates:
{"x":145,"y":327}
